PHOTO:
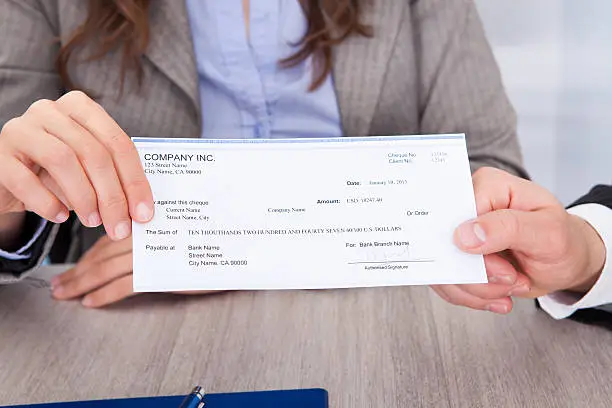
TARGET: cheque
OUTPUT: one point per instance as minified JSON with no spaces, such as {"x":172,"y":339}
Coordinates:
{"x":304,"y":213}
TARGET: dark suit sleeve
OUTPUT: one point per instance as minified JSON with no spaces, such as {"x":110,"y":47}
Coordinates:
{"x":600,"y":194}
{"x":53,"y":242}
{"x":16,"y":268}
{"x":593,"y":317}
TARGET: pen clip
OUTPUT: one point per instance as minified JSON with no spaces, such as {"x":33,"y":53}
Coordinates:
{"x":201,"y":393}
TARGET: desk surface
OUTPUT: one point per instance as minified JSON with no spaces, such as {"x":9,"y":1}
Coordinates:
{"x":385,"y":347}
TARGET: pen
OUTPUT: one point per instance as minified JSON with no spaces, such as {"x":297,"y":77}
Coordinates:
{"x":195,"y":399}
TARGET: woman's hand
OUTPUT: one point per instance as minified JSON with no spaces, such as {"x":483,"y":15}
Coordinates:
{"x":70,"y":154}
{"x":531,"y":245}
{"x":102,"y":276}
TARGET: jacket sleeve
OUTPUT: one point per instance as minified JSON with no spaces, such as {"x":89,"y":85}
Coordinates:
{"x":28,"y":29}
{"x":600,"y":194}
{"x":595,"y":306}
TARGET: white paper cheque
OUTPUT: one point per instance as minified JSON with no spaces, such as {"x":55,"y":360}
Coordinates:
{"x":305,"y":213}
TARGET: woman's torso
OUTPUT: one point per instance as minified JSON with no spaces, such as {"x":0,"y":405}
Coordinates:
{"x":427,"y":69}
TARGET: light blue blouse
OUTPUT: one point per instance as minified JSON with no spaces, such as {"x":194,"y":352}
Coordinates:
{"x":243,"y":91}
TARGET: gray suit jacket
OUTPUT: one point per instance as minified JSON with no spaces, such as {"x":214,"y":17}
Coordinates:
{"x":428,"y":69}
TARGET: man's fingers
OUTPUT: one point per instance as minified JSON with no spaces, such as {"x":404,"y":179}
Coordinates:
{"x":114,"y":291}
{"x":64,"y":277}
{"x":534,"y":293}
{"x":440,"y":290}
{"x":86,"y":262}
{"x":504,"y":280}
{"x":108,"y":249}
{"x":96,"y":276}
{"x":455,"y":295}
{"x":495,"y":189}
{"x":536,"y":232}
{"x":493,"y":291}
{"x":500,"y":271}
{"x":103,"y":249}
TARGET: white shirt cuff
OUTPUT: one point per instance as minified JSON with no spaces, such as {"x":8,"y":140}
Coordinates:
{"x":563,"y":304}
{"x":22,"y":253}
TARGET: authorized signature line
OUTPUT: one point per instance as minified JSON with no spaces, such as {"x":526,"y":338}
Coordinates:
{"x":389,"y":262}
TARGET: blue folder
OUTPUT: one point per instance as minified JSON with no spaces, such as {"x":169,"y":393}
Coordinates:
{"x":307,"y":398}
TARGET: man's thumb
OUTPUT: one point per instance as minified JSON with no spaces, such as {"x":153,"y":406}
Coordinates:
{"x":499,"y":230}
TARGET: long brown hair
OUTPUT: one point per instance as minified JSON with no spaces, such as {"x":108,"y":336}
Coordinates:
{"x":124,"y":25}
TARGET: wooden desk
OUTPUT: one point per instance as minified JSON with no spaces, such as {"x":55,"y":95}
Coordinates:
{"x":390,"y":347}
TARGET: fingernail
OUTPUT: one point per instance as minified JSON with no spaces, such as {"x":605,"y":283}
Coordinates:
{"x":497,"y":308}
{"x":143,"y":212}
{"x":502,"y":279}
{"x":61,"y":217}
{"x":94,"y":220}
{"x":122,"y":230}
{"x":87,"y":302}
{"x":519,"y":290}
{"x":55,"y":282}
{"x":58,"y":291}
{"x":471,"y":235}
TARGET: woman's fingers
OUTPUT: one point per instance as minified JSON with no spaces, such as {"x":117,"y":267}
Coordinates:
{"x":29,"y":143}
{"x":47,"y":181}
{"x":87,"y":159}
{"x":96,"y":121}
{"x":63,"y":165}
{"x":27,"y":189}
{"x":98,"y":165}
{"x":93,"y":277}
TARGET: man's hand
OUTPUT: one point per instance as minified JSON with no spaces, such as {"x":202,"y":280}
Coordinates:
{"x":532,"y":246}
{"x":102,"y":276}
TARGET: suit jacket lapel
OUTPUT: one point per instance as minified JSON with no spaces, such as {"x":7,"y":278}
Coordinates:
{"x":171,"y":47}
{"x":360,"y":65}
